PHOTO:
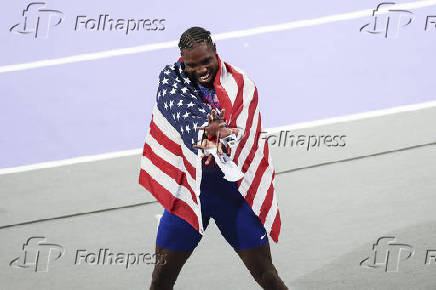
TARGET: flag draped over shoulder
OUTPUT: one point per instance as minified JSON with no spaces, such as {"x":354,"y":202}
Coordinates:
{"x":171,"y":168}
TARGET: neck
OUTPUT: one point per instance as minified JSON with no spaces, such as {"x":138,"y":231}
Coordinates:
{"x":208,"y":86}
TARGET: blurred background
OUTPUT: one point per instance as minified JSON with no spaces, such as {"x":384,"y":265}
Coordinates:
{"x":306,"y":72}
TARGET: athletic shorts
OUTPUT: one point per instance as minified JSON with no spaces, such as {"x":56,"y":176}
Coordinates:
{"x":220,"y":200}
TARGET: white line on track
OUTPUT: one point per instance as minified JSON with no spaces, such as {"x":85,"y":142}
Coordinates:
{"x":112,"y":155}
{"x":71,"y":161}
{"x":354,"y":117}
{"x":220,"y":36}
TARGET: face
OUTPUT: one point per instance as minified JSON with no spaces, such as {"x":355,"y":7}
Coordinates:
{"x":201,"y":63}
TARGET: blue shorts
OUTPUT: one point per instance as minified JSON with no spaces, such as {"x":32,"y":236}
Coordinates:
{"x":221,"y":200}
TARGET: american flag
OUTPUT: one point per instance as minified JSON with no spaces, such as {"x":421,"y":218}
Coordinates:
{"x":171,"y":169}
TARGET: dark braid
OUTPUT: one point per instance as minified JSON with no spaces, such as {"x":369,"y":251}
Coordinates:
{"x":193,"y":36}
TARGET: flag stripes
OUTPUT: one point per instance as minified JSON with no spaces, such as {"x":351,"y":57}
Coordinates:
{"x":171,"y":169}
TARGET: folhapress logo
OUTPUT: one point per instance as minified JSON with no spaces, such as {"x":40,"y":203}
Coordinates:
{"x":37,"y":20}
{"x":387,"y":254}
{"x":37,"y":255}
{"x":388,"y":21}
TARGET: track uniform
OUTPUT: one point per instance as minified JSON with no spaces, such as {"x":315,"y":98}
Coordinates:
{"x":220,"y":200}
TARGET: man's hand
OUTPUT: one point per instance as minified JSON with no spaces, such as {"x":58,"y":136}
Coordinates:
{"x":207,"y":144}
{"x":216,"y":129}
{"x":217,"y":125}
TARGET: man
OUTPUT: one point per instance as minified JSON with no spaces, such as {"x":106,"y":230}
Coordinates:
{"x":203,"y":98}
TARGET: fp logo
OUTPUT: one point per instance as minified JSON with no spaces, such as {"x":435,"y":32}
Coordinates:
{"x":37,"y":20}
{"x":387,"y":253}
{"x":387,"y":21}
{"x":37,"y":254}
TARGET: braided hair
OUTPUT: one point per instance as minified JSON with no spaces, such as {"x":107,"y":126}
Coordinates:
{"x":195,"y":35}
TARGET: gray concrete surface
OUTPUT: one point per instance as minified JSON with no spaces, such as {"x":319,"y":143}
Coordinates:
{"x":362,"y":137}
{"x":88,"y":187}
{"x":331,"y":216}
{"x":78,"y":188}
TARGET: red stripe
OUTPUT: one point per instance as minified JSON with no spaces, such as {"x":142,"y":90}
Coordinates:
{"x":275,"y":229}
{"x":221,"y":93}
{"x":254,"y":148}
{"x":168,"y":201}
{"x":171,"y":146}
{"x":239,"y":100}
{"x":260,"y":170}
{"x":166,"y":167}
{"x":249,"y":123}
{"x":266,"y":205}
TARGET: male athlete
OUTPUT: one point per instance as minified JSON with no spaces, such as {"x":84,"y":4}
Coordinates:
{"x":243,"y":229}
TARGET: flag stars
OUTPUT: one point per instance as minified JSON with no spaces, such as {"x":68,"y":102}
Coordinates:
{"x":202,"y":110}
{"x":184,"y":90}
{"x":171,"y":103}
{"x":165,"y":80}
{"x":177,"y":79}
{"x":181,"y":129}
{"x":178,"y":116}
{"x":180,"y":103}
{"x":174,"y":116}
{"x":164,"y":91}
{"x":187,"y":80}
{"x":175,"y":85}
{"x":187,"y":129}
{"x":190,"y":104}
{"x":167,"y":72}
{"x":186,"y":115}
{"x":166,"y":106}
{"x":194,"y":125}
{"x":173,"y":91}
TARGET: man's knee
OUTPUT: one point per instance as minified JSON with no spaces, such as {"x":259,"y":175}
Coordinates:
{"x":163,"y":278}
{"x":168,"y":268}
{"x":268,"y":277}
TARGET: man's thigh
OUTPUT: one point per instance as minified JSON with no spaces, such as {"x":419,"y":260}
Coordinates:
{"x":258,"y":258}
{"x":170,"y":262}
{"x":240,"y":226}
{"x":175,"y":241}
{"x":167,"y":267}
{"x":176,"y":234}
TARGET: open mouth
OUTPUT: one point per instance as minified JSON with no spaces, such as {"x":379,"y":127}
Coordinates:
{"x":205,"y":78}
